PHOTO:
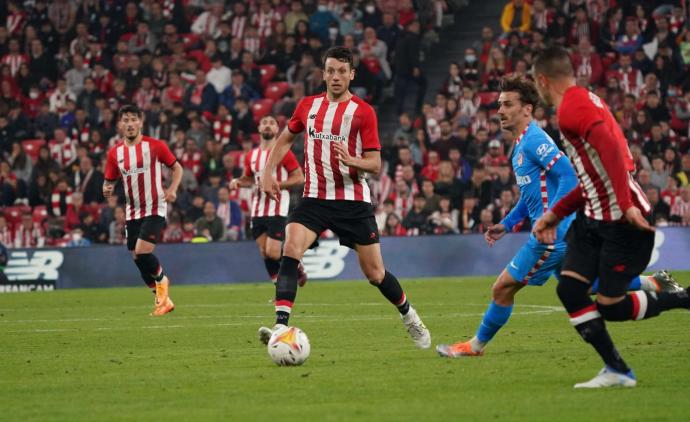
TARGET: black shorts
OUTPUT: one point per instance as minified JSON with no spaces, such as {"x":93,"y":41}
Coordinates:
{"x":615,"y":252}
{"x":352,"y":221}
{"x":148,"y":228}
{"x":274,"y":227}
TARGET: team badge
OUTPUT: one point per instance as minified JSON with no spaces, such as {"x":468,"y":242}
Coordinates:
{"x":347,"y":119}
{"x":519,"y":159}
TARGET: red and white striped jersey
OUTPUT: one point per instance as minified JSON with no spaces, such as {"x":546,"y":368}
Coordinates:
{"x":237,"y":26}
{"x":140,"y":168}
{"x":262,"y":204}
{"x":600,"y":155}
{"x":222,"y":130}
{"x":31,"y":238}
{"x":264,"y":22}
{"x":65,"y":153}
{"x":352,"y":122}
{"x":6,"y":238}
{"x":192,"y":162}
{"x":14,"y":61}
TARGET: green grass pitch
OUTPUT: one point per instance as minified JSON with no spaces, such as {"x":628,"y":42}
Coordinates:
{"x":97,"y":355}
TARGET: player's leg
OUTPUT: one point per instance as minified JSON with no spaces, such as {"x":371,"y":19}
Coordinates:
{"x":533,"y":264}
{"x":151,"y":230}
{"x":371,"y":263}
{"x":626,"y":252}
{"x":275,"y":230}
{"x":581,"y":265}
{"x":660,"y":281}
{"x":132,"y":228}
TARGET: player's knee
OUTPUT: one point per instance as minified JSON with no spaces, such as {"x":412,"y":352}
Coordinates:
{"x":272,"y":253}
{"x":375,"y":275}
{"x":293,"y":251}
{"x":569,"y":288}
{"x":614,"y":312}
{"x":143,"y":248}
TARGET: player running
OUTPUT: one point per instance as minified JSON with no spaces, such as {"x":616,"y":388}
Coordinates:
{"x":544,"y":175}
{"x":341,"y":145}
{"x":136,"y":159}
{"x":610,"y":238}
{"x":269,"y":215}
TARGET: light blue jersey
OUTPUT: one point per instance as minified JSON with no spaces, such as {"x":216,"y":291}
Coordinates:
{"x":544,"y":175}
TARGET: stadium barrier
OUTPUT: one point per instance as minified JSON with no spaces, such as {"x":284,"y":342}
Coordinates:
{"x":237,"y":262}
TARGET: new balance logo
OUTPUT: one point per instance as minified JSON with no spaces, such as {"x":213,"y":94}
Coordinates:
{"x":325,"y":136}
{"x":326,"y":261}
{"x":41,"y":265}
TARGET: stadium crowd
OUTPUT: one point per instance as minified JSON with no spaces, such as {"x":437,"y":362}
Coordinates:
{"x":206,"y":71}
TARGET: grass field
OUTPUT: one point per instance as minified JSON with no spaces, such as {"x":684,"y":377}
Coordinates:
{"x":96,"y":355}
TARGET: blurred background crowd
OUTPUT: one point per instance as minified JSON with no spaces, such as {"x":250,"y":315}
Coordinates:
{"x":205,"y":71}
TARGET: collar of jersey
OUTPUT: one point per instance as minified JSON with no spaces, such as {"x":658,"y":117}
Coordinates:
{"x":519,"y":138}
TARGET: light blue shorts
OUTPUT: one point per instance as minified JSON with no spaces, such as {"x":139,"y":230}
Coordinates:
{"x":535,"y":263}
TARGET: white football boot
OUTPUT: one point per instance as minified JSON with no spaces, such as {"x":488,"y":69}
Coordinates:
{"x":265,"y":333}
{"x":609,"y":378}
{"x":416,"y":329}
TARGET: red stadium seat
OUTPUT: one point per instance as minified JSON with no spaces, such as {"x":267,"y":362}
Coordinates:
{"x":276,"y":90}
{"x":261,"y":107}
{"x":268,"y":71}
{"x":488,"y":98}
{"x":32,"y":146}
{"x":126,"y":36}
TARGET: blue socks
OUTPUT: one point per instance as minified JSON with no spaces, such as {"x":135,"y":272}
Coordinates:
{"x":495,"y":317}
{"x":635,"y":284}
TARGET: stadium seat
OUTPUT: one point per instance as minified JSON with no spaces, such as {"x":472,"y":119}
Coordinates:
{"x":190,"y":40}
{"x":261,"y":107}
{"x":276,"y":90}
{"x":488,"y":98}
{"x":32,"y":146}
{"x":268,"y":71}
{"x":126,"y":36}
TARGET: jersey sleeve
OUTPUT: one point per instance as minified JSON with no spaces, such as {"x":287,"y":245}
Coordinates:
{"x":248,"y":165}
{"x":296,"y":122}
{"x":369,"y":130}
{"x":542,"y":151}
{"x":112,"y":172}
{"x":164,"y":154}
{"x":290,"y":162}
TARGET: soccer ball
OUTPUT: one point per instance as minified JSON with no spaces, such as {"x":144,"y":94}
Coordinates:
{"x":288,"y":346}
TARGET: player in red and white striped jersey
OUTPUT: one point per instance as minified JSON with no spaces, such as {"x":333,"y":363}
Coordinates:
{"x":269,"y":215}
{"x":341,"y":145}
{"x":137,"y":160}
{"x":610,"y":237}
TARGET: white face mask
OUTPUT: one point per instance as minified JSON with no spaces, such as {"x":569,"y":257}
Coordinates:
{"x":333,"y":32}
{"x":33,"y":95}
{"x":322,"y":8}
{"x":76,"y":237}
{"x":370,"y":8}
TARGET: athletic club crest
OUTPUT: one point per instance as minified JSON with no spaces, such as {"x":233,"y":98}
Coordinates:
{"x":347,"y":119}
{"x":519,"y":159}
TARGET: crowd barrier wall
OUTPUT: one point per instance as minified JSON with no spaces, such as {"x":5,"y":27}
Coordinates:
{"x":239,"y":262}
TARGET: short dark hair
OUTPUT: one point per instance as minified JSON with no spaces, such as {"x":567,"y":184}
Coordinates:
{"x":524,"y":87}
{"x":130,"y":108}
{"x":342,"y":54}
{"x":554,"y":62}
{"x":268,"y":116}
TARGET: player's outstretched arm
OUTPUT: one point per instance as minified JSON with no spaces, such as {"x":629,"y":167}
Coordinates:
{"x":370,"y":161}
{"x":269,"y":184}
{"x":171,"y":192}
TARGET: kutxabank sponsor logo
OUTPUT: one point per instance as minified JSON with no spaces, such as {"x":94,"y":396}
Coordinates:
{"x":325,"y":136}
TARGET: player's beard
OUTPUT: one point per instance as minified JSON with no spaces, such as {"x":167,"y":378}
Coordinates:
{"x":133,"y":137}
{"x":267,"y":136}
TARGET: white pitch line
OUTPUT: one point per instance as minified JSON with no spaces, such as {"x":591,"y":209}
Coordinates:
{"x":312,"y":319}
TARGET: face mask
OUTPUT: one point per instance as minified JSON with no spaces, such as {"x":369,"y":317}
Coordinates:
{"x":33,"y":95}
{"x":370,"y":8}
{"x":322,"y":8}
{"x":347,"y":16}
{"x":333,"y":32}
{"x":470,"y":58}
{"x":76,"y":237}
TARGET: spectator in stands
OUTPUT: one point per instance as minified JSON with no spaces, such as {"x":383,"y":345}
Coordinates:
{"x":5,"y":233}
{"x":485,"y":221}
{"x":210,"y":225}
{"x":230,"y":213}
{"x":447,"y":141}
{"x":680,"y":212}
{"x":90,"y":230}
{"x":660,"y":210}
{"x":469,"y":215}
{"x":497,"y":65}
{"x":393,"y":226}
{"x":407,"y":67}
{"x":655,"y":108}
{"x":116,"y":228}
{"x":659,"y":173}
{"x":27,"y":234}
{"x":445,"y":220}
{"x":89,"y":181}
{"x":587,"y":63}
{"x":20,"y":163}
{"x":461,"y":167}
{"x":201,"y":96}
{"x":657,"y":143}
{"x":416,"y":221}
{"x":220,"y":75}
{"x":631,"y":40}
{"x":430,"y":171}
{"x":432,"y":199}
{"x":516,"y":16}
